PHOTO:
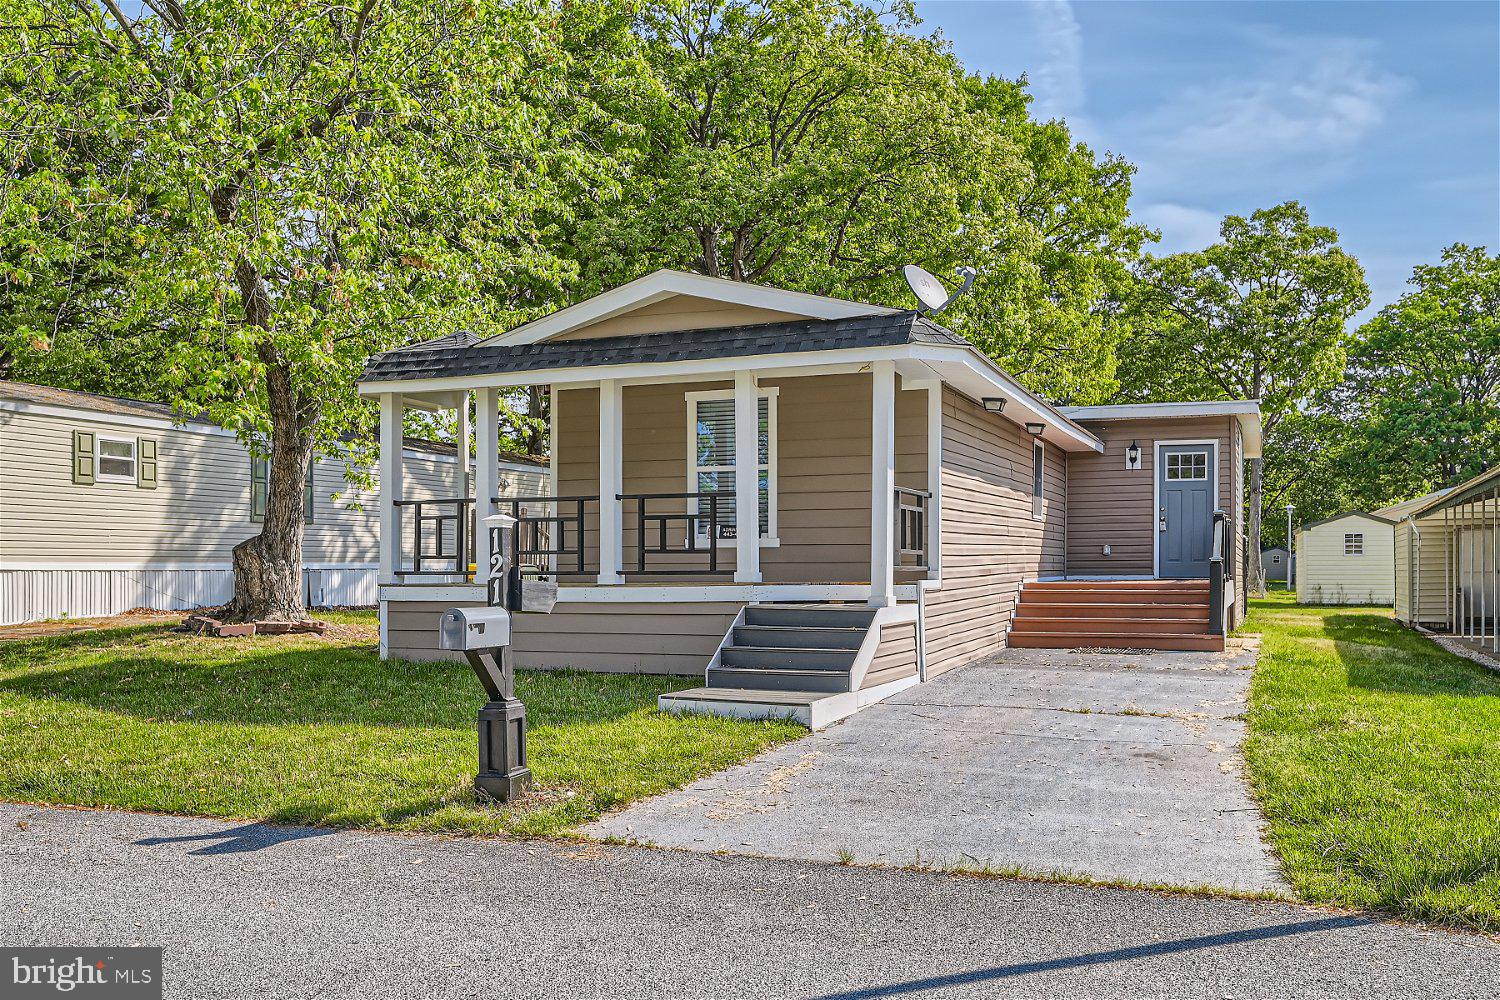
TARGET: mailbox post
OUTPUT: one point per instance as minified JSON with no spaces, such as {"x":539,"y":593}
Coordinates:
{"x":483,"y":636}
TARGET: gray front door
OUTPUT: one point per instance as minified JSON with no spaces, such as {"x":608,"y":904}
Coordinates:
{"x":1184,"y":517}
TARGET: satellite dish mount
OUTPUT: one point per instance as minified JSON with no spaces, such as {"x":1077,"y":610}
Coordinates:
{"x":931,"y":293}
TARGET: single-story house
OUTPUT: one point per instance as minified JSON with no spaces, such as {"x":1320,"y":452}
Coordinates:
{"x":1447,"y":561}
{"x":1274,"y":563}
{"x":914,"y":506}
{"x":109,"y":504}
{"x":1346,"y":559}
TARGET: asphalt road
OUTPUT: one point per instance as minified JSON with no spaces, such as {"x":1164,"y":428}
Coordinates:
{"x":291,"y":912}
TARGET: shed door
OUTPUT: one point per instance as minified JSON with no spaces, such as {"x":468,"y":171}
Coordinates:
{"x":1185,"y":491}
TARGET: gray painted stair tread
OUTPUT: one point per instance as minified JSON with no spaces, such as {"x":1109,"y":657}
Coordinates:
{"x":751,"y":695}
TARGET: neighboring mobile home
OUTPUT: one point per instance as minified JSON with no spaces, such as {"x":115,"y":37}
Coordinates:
{"x":108,"y":504}
{"x":910,"y":496}
{"x":1346,"y":559}
{"x":1447,"y":561}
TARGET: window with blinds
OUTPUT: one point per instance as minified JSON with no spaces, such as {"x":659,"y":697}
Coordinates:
{"x":714,"y":452}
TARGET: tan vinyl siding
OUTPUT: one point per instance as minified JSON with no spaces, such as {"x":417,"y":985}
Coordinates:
{"x":991,"y":543}
{"x":822,"y":469}
{"x":895,"y":657}
{"x":649,"y":637}
{"x":680,"y":312}
{"x":1405,"y":583}
{"x":1111,"y":505}
{"x":1325,"y":575}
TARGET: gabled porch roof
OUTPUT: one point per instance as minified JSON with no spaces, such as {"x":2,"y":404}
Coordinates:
{"x":841,"y":335}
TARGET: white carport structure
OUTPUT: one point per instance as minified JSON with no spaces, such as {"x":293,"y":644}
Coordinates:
{"x":1448,"y":562}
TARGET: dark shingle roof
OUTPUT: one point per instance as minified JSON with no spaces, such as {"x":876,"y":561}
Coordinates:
{"x":462,"y":356}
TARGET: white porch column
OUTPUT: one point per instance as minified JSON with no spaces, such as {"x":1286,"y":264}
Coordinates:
{"x":486,"y":476}
{"x":611,"y":480}
{"x":464,"y":440}
{"x":392,"y":410}
{"x":746,"y":479}
{"x":882,"y":483}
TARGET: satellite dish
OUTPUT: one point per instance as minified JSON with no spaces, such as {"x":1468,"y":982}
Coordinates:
{"x":930,"y":291}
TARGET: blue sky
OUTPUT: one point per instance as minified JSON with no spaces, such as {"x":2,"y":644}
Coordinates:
{"x":1382,"y":118}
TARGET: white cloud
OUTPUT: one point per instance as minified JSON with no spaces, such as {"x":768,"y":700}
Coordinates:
{"x":1304,"y":117}
{"x":1057,"y":80}
{"x":1182,"y":226}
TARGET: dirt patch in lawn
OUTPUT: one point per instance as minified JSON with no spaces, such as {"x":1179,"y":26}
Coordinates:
{"x":68,"y":626}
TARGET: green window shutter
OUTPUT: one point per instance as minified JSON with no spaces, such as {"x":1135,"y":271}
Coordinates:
{"x":85,"y":451}
{"x":258,"y":473}
{"x":145,"y":464}
{"x":307,"y":496}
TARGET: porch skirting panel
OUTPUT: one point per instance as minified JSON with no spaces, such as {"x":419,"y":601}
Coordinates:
{"x":39,"y":593}
{"x":646,"y":638}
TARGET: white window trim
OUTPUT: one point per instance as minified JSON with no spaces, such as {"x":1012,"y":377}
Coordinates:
{"x":769,"y":540}
{"x":1038,"y":480}
{"x":107,"y":477}
{"x":1356,"y":538}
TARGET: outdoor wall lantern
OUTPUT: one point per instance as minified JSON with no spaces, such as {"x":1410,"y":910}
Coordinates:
{"x":1035,"y":430}
{"x":995,"y":404}
{"x":1133,"y":456}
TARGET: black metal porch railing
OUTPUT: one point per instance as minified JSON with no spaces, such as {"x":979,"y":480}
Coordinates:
{"x":656,"y":534}
{"x":1220,"y":571}
{"x":550,"y":543}
{"x":911,"y":528}
{"x":442,"y":535}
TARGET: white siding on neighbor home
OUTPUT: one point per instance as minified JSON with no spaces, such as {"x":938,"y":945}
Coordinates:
{"x":71,"y":550}
{"x":1325,"y":575}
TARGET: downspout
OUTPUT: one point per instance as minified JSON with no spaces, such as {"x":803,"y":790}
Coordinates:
{"x":921,"y":633}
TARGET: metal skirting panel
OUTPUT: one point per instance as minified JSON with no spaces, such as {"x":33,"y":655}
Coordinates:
{"x":30,"y":595}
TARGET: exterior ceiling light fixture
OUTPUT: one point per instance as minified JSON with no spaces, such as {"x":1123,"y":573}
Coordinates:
{"x":1035,"y":429}
{"x":995,"y":404}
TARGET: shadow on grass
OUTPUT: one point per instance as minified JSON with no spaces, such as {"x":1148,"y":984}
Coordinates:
{"x":1380,"y":655}
{"x":155,"y":675}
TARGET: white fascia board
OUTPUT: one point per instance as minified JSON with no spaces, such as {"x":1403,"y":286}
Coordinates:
{"x":1246,"y":411}
{"x":1021,"y":405}
{"x":665,"y":283}
{"x":112,"y":419}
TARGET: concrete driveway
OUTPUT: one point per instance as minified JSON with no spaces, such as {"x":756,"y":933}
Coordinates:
{"x":1120,"y":766}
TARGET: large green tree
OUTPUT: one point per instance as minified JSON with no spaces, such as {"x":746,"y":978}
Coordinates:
{"x":1259,"y":315}
{"x":822,"y":144}
{"x":270,"y":192}
{"x":1423,"y":390}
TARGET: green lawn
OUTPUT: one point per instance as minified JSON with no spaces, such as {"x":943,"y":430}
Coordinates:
{"x":298,"y":729}
{"x":1376,"y":756}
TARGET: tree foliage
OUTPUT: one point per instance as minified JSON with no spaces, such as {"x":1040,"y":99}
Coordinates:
{"x":823,"y":144}
{"x":267,"y":193}
{"x":1259,"y":315}
{"x":1423,"y":390}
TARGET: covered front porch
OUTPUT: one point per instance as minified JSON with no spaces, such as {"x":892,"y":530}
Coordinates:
{"x":645,"y":479}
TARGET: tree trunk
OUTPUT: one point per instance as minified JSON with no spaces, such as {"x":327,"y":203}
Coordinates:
{"x":1255,"y":573}
{"x":268,"y":567}
{"x":539,"y":405}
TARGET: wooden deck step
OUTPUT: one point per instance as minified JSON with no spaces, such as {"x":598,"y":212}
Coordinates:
{"x":1028,"y":608}
{"x":1120,"y":626}
{"x":1085,"y":640}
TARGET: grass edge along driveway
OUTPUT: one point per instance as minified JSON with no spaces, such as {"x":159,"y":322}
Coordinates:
{"x":320,"y":731}
{"x":1375,"y":755}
